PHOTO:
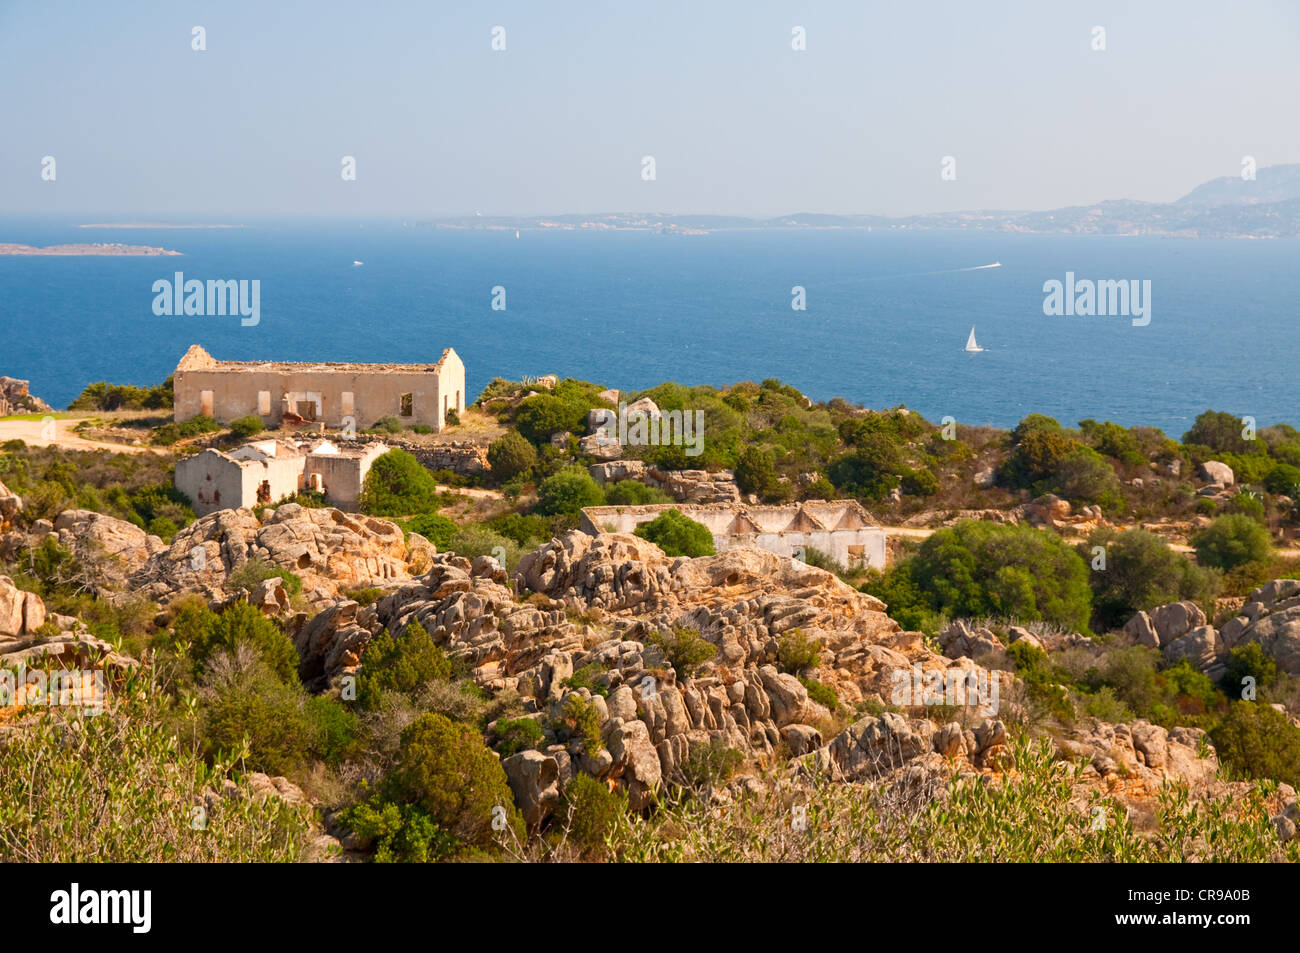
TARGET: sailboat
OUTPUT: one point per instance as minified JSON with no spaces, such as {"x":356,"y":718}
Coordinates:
{"x":971,"y":346}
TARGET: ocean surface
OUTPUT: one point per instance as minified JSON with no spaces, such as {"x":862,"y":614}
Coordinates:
{"x":886,"y":321}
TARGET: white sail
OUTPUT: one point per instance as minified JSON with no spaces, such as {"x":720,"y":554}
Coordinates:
{"x":971,"y":346}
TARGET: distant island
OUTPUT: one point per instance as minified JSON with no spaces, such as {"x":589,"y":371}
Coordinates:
{"x":1267,"y":206}
{"x":150,"y":225}
{"x":98,"y":248}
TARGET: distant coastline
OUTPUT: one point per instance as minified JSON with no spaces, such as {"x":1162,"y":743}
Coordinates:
{"x":150,"y":225}
{"x":100,"y":249}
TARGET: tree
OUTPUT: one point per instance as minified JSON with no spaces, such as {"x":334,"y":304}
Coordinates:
{"x":398,"y":485}
{"x":1258,"y":741}
{"x":399,"y":664}
{"x":240,"y":624}
{"x":677,"y":534}
{"x":446,"y":770}
{"x":870,"y":470}
{"x":568,"y":492}
{"x":756,"y":472}
{"x":1141,"y":572}
{"x":1232,"y":541}
{"x":1221,"y":432}
{"x":1085,"y":476}
{"x":511,"y":455}
{"x":436,"y":529}
{"x":981,"y":569}
{"x":634,"y":493}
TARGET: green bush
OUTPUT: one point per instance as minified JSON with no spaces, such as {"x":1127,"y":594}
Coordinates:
{"x":634,"y":493}
{"x":677,"y":534}
{"x":756,"y":473}
{"x":518,"y":734}
{"x":1258,"y":741}
{"x":796,"y":652}
{"x":402,"y":664}
{"x":388,"y":425}
{"x":510,"y":455}
{"x":588,"y":677}
{"x":822,"y":694}
{"x":1141,"y":572}
{"x":1248,"y":661}
{"x":242,"y":428}
{"x":1284,"y":479}
{"x":105,"y":396}
{"x":240,"y":624}
{"x":870,"y":470}
{"x":981,"y":569}
{"x":436,"y":529}
{"x":920,"y":482}
{"x":399,"y":833}
{"x":1085,"y":476}
{"x":593,"y":811}
{"x":684,"y":648}
{"x":1230,"y":541}
{"x":707,"y":766}
{"x":256,"y":571}
{"x":568,"y":492}
{"x":475,"y":539}
{"x":446,"y":770}
{"x":580,"y":721}
{"x":243,"y":701}
{"x":398,"y":485}
{"x":1221,"y":432}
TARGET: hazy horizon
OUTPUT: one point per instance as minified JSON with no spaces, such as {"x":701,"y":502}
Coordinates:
{"x":440,"y":124}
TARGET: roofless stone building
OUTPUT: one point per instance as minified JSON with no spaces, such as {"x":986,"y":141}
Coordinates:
{"x":333,"y":393}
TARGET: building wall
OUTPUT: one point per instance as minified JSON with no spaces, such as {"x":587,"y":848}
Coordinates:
{"x":314,"y":394}
{"x":214,"y":482}
{"x":342,"y":475}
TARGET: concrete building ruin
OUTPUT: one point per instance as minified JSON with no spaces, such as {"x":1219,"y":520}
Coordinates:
{"x":840,"y":528}
{"x":267,"y":471}
{"x":336,"y":394}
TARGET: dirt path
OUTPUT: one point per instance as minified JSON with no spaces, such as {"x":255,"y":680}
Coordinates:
{"x":35,"y":433}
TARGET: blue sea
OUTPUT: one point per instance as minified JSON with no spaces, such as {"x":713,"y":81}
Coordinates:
{"x":886,"y":320}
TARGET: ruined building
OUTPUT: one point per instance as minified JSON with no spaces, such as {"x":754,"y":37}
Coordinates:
{"x":840,"y":528}
{"x":336,"y":394}
{"x":267,"y":471}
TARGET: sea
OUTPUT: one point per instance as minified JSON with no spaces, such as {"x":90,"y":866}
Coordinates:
{"x":885,"y":317}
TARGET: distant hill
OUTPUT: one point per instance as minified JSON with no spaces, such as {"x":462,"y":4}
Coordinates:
{"x":1229,"y":207}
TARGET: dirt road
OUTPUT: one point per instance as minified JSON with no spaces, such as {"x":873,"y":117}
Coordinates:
{"x":36,"y":433}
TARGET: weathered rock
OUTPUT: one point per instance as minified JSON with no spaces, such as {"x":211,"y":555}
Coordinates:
{"x":1216,"y":472}
{"x":1142,"y":631}
{"x":534,"y":779}
{"x":21,"y":613}
{"x":1200,"y":647}
{"x":1175,"y":620}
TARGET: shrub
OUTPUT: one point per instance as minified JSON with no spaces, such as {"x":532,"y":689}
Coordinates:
{"x":870,"y":470}
{"x":1248,"y":661}
{"x":684,"y":648}
{"x":1232,"y":540}
{"x":510,"y":455}
{"x":588,"y":677}
{"x":446,"y":770}
{"x":451,"y":418}
{"x":256,"y":571}
{"x":244,"y":701}
{"x":982,"y":569}
{"x":389,"y":425}
{"x":244,"y":427}
{"x":399,"y":664}
{"x":1284,"y":479}
{"x":593,"y":811}
{"x":568,"y":492}
{"x":677,"y":534}
{"x":1221,"y":432}
{"x":707,"y":766}
{"x":1085,"y":476}
{"x":240,"y":624}
{"x":1141,"y":572}
{"x":822,"y":694}
{"x":436,"y":529}
{"x":117,"y":788}
{"x":518,"y":734}
{"x":756,"y":473}
{"x":476,"y":539}
{"x":398,"y":485}
{"x":920,"y":483}
{"x":581,"y":721}
{"x":634,"y":493}
{"x":400,"y":833}
{"x":796,"y":652}
{"x":1258,"y":741}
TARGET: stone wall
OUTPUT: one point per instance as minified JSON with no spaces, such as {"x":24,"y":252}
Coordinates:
{"x":465,"y":458}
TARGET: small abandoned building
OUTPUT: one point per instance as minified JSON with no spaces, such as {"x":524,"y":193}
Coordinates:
{"x":267,"y":471}
{"x":840,"y":528}
{"x":335,"y":394}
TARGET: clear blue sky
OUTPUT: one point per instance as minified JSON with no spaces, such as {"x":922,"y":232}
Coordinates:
{"x":440,"y":124}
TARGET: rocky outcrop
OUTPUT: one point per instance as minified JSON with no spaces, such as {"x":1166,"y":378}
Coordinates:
{"x":11,"y":504}
{"x":330,"y":550}
{"x":114,"y":547}
{"x":684,"y":486}
{"x":1216,"y":473}
{"x":16,"y":398}
{"x":21,"y":613}
{"x":1270,"y":617}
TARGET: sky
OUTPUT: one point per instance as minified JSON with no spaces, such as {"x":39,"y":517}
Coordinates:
{"x":141,"y":125}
